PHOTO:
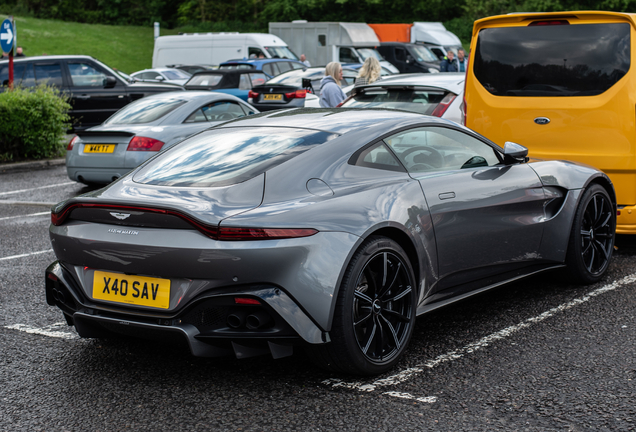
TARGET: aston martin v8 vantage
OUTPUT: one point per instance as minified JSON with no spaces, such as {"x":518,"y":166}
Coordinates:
{"x":324,"y":229}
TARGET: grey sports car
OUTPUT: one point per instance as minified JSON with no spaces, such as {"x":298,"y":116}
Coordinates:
{"x":328,"y":229}
{"x":141,"y":129}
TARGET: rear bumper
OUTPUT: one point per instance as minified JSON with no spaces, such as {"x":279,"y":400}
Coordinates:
{"x":626,"y":220}
{"x":212,"y":324}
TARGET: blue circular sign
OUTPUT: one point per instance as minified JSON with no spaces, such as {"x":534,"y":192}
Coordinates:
{"x":7,"y":35}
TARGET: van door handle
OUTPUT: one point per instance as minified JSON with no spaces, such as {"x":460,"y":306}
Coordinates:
{"x":446,"y":195}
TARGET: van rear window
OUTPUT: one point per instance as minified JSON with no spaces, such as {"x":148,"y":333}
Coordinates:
{"x":552,"y":60}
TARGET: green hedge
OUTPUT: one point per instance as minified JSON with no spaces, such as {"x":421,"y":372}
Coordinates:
{"x":33,"y":122}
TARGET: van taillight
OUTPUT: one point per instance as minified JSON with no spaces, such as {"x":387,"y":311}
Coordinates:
{"x":441,"y":108}
{"x":140,"y":143}
{"x":548,"y":23}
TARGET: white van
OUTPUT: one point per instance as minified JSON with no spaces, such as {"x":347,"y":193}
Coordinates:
{"x":215,"y":48}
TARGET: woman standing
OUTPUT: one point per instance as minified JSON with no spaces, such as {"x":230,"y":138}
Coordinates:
{"x":369,"y":72}
{"x":331,"y":95}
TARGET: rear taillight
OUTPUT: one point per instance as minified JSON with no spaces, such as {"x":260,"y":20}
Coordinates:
{"x":252,"y":94}
{"x":298,"y":94}
{"x":140,"y":143}
{"x":72,"y":142}
{"x":226,"y":233}
{"x":212,"y":231}
{"x":548,"y":23}
{"x":441,"y":108}
{"x":246,"y":301}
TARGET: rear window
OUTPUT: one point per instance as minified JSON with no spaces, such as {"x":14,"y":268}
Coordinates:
{"x":221,"y":157}
{"x":419,"y":101}
{"x":552,"y":60}
{"x":144,"y":111}
{"x":210,"y":80}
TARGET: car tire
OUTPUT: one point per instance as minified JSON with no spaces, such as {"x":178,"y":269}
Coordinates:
{"x":375,"y":311}
{"x":592,"y":237}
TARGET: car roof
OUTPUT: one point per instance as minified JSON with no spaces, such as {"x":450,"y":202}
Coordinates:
{"x":258,"y":61}
{"x":453,"y":81}
{"x":225,"y":72}
{"x":338,"y":120}
{"x":190,"y":95}
{"x":53,"y":57}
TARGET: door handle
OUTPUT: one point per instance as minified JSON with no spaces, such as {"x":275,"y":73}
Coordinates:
{"x":446,"y":195}
{"x":83,"y":97}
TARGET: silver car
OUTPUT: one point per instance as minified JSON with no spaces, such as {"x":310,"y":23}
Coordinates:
{"x":140,"y":130}
{"x":329,"y":229}
{"x":165,"y":75}
{"x":439,"y":95}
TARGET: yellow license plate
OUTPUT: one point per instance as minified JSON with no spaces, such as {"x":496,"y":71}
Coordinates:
{"x":273,"y":97}
{"x":134,"y":290}
{"x":99,"y":148}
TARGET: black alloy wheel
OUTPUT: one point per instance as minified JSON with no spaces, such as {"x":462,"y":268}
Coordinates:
{"x":592,"y":238}
{"x":375,"y":312}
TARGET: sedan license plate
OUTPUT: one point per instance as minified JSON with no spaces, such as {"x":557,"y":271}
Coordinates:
{"x":99,"y":148}
{"x":275,"y":97}
{"x":134,"y":290}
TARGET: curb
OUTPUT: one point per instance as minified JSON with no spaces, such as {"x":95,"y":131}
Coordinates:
{"x":31,"y":165}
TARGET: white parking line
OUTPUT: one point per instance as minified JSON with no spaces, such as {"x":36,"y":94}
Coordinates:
{"x":36,"y":188}
{"x":409,"y":373}
{"x":50,"y":331}
{"x":25,"y":255}
{"x":24,"y":216}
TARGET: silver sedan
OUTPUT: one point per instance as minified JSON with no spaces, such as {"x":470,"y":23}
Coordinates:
{"x":140,"y":130}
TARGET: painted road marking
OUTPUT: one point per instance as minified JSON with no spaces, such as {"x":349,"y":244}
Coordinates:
{"x":25,"y":255}
{"x":23,"y":216}
{"x":409,"y":373}
{"x":36,"y":188}
{"x":30,"y":203}
{"x":51,"y":330}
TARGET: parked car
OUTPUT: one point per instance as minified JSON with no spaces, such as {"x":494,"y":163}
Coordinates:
{"x":138,"y":131}
{"x":234,"y":82}
{"x":167,"y":75}
{"x":288,"y":91}
{"x":192,"y":69}
{"x":325,"y":229}
{"x":270,"y":67}
{"x":410,"y":57}
{"x":95,"y":90}
{"x":439,"y":95}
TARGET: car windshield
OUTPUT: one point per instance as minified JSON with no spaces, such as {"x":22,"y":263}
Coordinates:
{"x":419,"y":101}
{"x":210,"y":80}
{"x":424,"y":54}
{"x":176,"y":74}
{"x":365,"y":53}
{"x":144,"y":111}
{"x":295,"y":77}
{"x":221,"y":157}
{"x":281,"y":52}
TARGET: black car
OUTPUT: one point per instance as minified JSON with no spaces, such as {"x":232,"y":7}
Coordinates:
{"x":95,"y":90}
{"x":409,"y":57}
{"x":192,"y":69}
{"x":289,"y":90}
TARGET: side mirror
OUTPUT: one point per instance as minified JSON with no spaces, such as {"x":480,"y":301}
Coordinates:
{"x":514,"y":152}
{"x":110,"y":82}
{"x":159,"y":78}
{"x":409,"y":58}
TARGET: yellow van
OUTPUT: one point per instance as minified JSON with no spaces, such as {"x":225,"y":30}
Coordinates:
{"x":562,"y":85}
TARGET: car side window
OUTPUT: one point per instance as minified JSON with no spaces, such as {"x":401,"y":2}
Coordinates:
{"x":28,"y":80}
{"x":436,"y":148}
{"x":257,"y":79}
{"x":49,"y":74}
{"x":248,"y":109}
{"x":284,"y":66}
{"x":196,"y":117}
{"x":269,"y":69}
{"x":400,"y":54}
{"x":295,"y":65}
{"x":254,"y":52}
{"x":224,"y":110}
{"x":378,"y":156}
{"x":18,"y":71}
{"x":245,"y":83}
{"x":346,"y":56}
{"x":85,"y":75}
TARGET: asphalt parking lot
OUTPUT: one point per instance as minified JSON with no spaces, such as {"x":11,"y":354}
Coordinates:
{"x":537,"y":355}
